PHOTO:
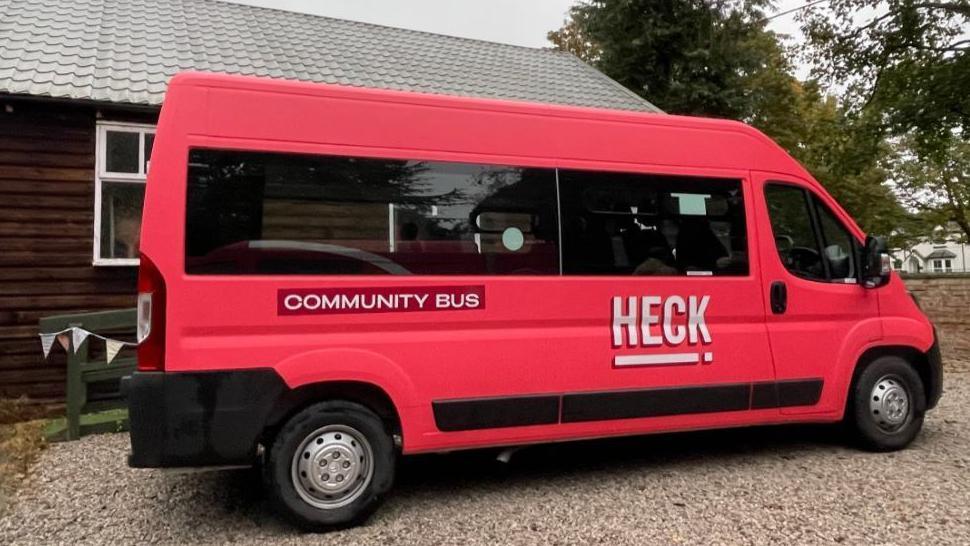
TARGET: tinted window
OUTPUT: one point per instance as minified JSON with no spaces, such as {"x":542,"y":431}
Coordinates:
{"x":838,"y":245}
{"x":634,"y":224}
{"x":791,"y":222}
{"x":281,"y":213}
{"x":823,"y":254}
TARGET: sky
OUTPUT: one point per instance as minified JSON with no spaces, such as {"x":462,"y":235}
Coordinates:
{"x":517,"y":22}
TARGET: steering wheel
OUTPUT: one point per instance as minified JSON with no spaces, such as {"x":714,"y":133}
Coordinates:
{"x":803,"y":258}
{"x":784,"y":243}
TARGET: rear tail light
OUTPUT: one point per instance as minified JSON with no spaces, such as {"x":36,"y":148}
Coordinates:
{"x":144,"y":315}
{"x":151,"y":317}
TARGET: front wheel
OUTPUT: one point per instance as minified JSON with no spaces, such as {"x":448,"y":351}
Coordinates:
{"x":330,"y":466}
{"x":887,"y":405}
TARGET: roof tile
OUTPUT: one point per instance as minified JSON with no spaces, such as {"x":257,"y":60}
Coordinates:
{"x":125,"y":51}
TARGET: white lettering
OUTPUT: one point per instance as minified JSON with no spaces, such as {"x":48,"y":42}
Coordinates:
{"x":621,"y":319}
{"x":330,"y":302}
{"x":472,"y":300}
{"x":695,"y":320}
{"x":674,"y":334}
{"x":648,"y":319}
{"x":292,"y":306}
{"x":307,"y":301}
{"x":421,"y":299}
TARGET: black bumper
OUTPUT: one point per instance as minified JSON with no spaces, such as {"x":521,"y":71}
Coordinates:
{"x":198,"y":418}
{"x":934,"y":361}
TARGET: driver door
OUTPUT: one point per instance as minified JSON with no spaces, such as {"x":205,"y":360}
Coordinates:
{"x":818,"y":316}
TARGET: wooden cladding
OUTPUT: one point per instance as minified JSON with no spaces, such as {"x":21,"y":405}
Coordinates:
{"x":46,"y":236}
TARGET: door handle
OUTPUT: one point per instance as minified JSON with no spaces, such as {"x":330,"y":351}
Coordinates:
{"x":779,"y":297}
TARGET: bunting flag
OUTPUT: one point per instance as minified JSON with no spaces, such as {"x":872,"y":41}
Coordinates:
{"x":46,"y":341}
{"x":78,"y":335}
{"x":111,"y":348}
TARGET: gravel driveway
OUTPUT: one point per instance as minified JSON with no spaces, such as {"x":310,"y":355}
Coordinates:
{"x":769,"y":485}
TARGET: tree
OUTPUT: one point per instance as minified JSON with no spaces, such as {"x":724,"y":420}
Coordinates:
{"x":905,"y":59}
{"x":687,"y":57}
{"x":937,"y":186}
{"x":717,"y":59}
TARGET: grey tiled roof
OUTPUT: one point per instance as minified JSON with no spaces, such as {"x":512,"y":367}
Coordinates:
{"x":125,"y":51}
{"x":940,"y":254}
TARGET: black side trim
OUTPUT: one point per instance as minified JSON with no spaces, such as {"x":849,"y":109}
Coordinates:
{"x":599,"y":406}
{"x":799,"y":393}
{"x":453,"y":415}
{"x":185,"y":419}
{"x":784,"y":394}
{"x":481,"y":413}
{"x":764,"y":396}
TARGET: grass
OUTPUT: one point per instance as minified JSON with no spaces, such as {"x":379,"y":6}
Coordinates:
{"x":20,"y":445}
{"x":115,"y":420}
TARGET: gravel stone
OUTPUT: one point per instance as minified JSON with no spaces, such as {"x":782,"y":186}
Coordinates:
{"x":792,"y":485}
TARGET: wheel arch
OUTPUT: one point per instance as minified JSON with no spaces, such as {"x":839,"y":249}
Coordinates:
{"x":919,"y":360}
{"x":354,"y":375}
{"x":366,"y":394}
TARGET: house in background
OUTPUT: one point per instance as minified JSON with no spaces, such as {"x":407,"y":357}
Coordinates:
{"x":945,"y":252}
{"x":81,"y":83}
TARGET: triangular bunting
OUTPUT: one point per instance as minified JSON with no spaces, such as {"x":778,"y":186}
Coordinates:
{"x":64,"y":340}
{"x":46,"y":341}
{"x":111,"y":348}
{"x":78,"y":335}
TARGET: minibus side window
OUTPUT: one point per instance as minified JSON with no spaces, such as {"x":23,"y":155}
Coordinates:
{"x":274,"y":213}
{"x":639,"y":224}
{"x":838,"y":245}
{"x":811,"y":242}
{"x":791,"y":222}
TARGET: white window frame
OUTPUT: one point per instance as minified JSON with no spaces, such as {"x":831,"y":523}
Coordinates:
{"x":102,"y":175}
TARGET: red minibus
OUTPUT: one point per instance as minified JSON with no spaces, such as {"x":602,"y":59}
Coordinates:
{"x":333,"y":276}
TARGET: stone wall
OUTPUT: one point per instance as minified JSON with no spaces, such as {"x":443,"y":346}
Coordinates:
{"x":946,"y":300}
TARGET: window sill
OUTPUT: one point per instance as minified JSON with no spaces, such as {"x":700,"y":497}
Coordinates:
{"x":114,"y":262}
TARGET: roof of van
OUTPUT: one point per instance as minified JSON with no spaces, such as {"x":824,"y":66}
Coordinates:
{"x":770,"y":154}
{"x":125,"y":51}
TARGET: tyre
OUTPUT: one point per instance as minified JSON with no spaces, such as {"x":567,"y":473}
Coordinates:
{"x":886,"y":405}
{"x":330,"y":466}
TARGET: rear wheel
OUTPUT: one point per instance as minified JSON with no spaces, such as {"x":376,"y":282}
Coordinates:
{"x":887,"y":405}
{"x":330,"y":466}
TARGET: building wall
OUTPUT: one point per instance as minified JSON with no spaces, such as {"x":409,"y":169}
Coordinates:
{"x":46,"y":235}
{"x":959,"y":263}
{"x":946,"y":300}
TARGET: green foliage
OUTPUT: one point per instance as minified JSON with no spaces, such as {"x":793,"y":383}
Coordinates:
{"x":905,"y":60}
{"x":937,"y":186}
{"x":688,"y":56}
{"x":717,"y":59}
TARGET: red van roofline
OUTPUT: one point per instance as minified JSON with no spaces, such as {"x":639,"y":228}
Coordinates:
{"x":230,"y":81}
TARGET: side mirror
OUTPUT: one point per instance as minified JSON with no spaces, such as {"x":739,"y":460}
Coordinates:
{"x":877,"y":265}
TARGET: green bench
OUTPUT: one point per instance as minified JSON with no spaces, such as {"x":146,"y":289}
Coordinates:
{"x":83,"y":371}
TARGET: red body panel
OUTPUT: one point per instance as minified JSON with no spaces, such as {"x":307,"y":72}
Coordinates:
{"x":532,"y":335}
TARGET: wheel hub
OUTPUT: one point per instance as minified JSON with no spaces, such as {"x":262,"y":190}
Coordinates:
{"x":332,"y":466}
{"x":889,"y":403}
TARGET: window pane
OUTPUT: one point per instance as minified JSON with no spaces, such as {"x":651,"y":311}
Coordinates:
{"x":791,"y":223}
{"x":121,"y":151}
{"x":839,"y":247}
{"x":281,"y":213}
{"x":149,"y":142}
{"x":121,"y":205}
{"x":634,"y":224}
